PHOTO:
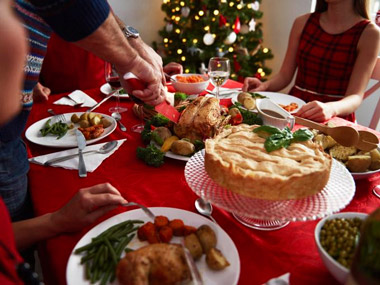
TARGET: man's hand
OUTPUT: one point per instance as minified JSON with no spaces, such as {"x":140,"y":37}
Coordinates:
{"x":41,"y":93}
{"x":173,"y":68}
{"x":86,"y":207}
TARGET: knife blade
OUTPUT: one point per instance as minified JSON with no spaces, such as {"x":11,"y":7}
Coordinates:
{"x":165,"y":109}
{"x":81,"y":145}
{"x":195,"y":275}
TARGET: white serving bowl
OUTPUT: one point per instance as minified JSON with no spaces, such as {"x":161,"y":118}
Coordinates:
{"x":336,"y":269}
{"x":190,"y":88}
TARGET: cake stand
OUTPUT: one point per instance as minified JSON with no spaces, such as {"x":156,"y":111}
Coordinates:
{"x":267,"y":214}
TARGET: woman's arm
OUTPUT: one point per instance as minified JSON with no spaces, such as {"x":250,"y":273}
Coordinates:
{"x":289,"y":65}
{"x":83,"y":209}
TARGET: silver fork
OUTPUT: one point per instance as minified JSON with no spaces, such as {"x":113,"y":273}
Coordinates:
{"x":57,"y":117}
{"x":145,"y":209}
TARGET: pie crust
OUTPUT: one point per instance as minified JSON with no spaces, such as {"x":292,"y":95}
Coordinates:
{"x":237,"y":160}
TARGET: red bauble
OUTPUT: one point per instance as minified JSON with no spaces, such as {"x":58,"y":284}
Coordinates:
{"x":258,"y":75}
{"x":237,"y":25}
{"x":222,"y":21}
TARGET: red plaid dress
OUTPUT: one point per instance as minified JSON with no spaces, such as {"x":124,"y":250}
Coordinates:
{"x":325,"y":62}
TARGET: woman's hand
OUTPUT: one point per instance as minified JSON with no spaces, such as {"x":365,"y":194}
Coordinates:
{"x":41,"y":93}
{"x":316,"y":111}
{"x":173,"y":68}
{"x":253,"y":84}
{"x":86,"y":207}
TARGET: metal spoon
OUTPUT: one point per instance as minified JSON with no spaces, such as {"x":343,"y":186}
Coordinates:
{"x":103,"y":150}
{"x":204,"y":208}
{"x":117,"y":117}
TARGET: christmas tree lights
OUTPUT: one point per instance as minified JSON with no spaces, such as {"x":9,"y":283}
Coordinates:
{"x":197,"y":30}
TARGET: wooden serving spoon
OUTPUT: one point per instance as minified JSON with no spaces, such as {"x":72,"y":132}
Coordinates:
{"x":344,"y":135}
{"x":367,"y":141}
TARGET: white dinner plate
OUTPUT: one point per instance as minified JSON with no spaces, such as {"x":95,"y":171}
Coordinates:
{"x":279,"y":98}
{"x":106,"y":89}
{"x":171,"y":154}
{"x":362,"y":175}
{"x":33,"y":133}
{"x":75,"y":274}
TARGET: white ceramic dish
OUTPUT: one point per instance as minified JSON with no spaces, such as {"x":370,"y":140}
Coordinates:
{"x":363,"y":175}
{"x":278,"y":98}
{"x":106,"y":89}
{"x":230,"y":275}
{"x":335,"y":268}
{"x":172,"y":155}
{"x":190,"y":88}
{"x":69,"y":140}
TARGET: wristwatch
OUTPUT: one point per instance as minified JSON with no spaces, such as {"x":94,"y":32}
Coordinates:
{"x":130,"y":32}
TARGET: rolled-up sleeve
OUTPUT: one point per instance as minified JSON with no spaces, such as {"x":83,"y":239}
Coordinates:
{"x":72,"y":20}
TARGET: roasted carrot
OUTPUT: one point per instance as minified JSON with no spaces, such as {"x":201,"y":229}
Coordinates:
{"x":177,"y":226}
{"x":161,"y":221}
{"x":165,"y":234}
{"x":189,"y":230}
{"x":146,"y":230}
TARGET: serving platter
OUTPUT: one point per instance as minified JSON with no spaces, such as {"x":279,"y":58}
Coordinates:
{"x":278,"y":98}
{"x":69,"y":140}
{"x":367,"y":174}
{"x":75,"y":274}
{"x":337,"y":193}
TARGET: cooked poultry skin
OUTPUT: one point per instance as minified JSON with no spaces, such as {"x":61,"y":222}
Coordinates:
{"x":153,"y":264}
{"x":201,"y":119}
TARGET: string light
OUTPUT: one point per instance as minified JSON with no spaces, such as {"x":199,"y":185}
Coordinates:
{"x":223,"y":1}
{"x":187,"y":70}
{"x":183,"y":58}
{"x":182,"y":3}
{"x":177,"y":18}
{"x":207,"y":28}
{"x":262,"y":74}
{"x":166,"y":45}
{"x":249,"y":6}
{"x":173,"y":17}
{"x":260,"y":70}
{"x":177,"y":8}
{"x":265,"y":50}
{"x":213,"y":19}
{"x":184,"y":40}
{"x":231,"y":4}
{"x":178,"y":31}
{"x":201,"y":13}
{"x":166,"y":1}
{"x":239,"y":6}
{"x":196,"y":17}
{"x":171,"y":41}
{"x":195,"y":41}
{"x":166,"y":40}
{"x":173,"y":10}
{"x":214,"y":36}
{"x":216,"y":12}
{"x":179,"y":51}
{"x":230,"y":49}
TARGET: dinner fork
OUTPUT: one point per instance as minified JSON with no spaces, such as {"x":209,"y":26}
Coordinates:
{"x":57,"y":117}
{"x":145,"y":209}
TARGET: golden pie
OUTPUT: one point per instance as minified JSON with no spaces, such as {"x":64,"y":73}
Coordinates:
{"x":237,"y":160}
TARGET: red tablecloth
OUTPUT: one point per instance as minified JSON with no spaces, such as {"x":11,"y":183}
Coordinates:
{"x":263,"y":254}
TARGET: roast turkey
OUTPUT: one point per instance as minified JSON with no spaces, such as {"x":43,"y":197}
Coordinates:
{"x":201,"y":119}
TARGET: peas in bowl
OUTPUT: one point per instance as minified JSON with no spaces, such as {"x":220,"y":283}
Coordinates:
{"x":336,"y":237}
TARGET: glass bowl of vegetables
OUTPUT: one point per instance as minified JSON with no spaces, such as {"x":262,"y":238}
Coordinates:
{"x":337,"y":237}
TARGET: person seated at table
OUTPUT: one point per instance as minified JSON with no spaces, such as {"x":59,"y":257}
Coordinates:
{"x":335,"y":50}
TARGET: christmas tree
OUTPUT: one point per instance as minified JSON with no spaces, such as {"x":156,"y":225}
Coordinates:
{"x":197,"y":30}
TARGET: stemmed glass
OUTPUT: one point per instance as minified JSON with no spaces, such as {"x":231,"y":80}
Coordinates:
{"x":138,"y":128}
{"x":219,"y":71}
{"x":112,"y":79}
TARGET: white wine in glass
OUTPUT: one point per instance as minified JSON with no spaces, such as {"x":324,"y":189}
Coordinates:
{"x":219,"y":71}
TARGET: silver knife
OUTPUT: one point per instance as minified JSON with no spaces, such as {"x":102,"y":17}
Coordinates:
{"x":81,"y":145}
{"x":104,"y":100}
{"x":195,"y":275}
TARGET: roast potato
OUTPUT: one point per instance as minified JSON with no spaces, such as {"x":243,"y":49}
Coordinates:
{"x":95,"y":120}
{"x":216,"y":260}
{"x":84,"y":123}
{"x":75,"y":118}
{"x":193,"y":244}
{"x":163,"y":133}
{"x":358,"y":163}
{"x":207,"y":237}
{"x":242,"y":96}
{"x":249,"y":103}
{"x":182,"y":147}
{"x":106,"y":123}
{"x":375,"y":159}
{"x":342,"y":152}
{"x":84,"y":116}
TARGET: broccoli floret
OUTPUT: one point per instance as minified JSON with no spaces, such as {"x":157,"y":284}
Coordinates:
{"x":146,"y":135}
{"x":180,"y":96}
{"x":199,"y":145}
{"x":151,"y":155}
{"x":159,"y":120}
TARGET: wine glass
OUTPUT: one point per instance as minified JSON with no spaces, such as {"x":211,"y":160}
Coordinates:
{"x":219,"y":71}
{"x":138,"y":128}
{"x":112,"y":79}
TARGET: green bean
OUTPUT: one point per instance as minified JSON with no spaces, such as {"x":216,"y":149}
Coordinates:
{"x":111,"y":250}
{"x":88,"y":246}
